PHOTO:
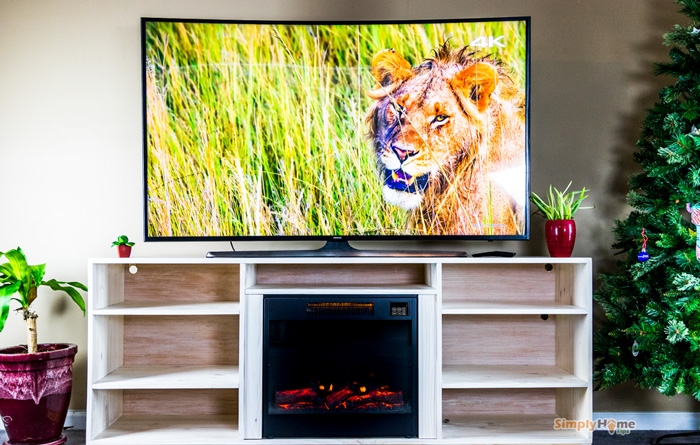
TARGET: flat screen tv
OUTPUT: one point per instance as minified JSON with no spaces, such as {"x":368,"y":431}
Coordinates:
{"x":336,"y":131}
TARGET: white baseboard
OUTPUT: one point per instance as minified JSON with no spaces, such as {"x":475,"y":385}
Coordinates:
{"x":659,"y":421}
{"x":75,"y":420}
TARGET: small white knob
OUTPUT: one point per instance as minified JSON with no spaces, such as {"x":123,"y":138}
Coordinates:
{"x":133,"y":269}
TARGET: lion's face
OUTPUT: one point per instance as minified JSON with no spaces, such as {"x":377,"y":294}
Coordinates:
{"x":424,"y":121}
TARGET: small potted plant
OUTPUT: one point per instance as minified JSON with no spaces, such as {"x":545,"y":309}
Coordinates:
{"x":123,"y":246}
{"x":559,"y":209}
{"x":35,"y":379}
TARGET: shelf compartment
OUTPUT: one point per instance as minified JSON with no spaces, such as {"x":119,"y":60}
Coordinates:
{"x":496,"y":416}
{"x":495,"y":307}
{"x":493,"y":376}
{"x":190,"y":284}
{"x":560,"y":341}
{"x":194,"y":416}
{"x":347,"y":289}
{"x":334,"y":276}
{"x":126,"y":341}
{"x":170,"y":377}
{"x":530,"y":287}
{"x":170,"y":430}
{"x":508,"y":429}
{"x":170,"y":308}
{"x":499,"y":340}
{"x":178,"y":340}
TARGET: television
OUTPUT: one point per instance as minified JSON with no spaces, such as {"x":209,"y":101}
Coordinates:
{"x":336,"y":131}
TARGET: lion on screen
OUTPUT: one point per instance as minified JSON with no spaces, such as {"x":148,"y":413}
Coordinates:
{"x":449,"y":136}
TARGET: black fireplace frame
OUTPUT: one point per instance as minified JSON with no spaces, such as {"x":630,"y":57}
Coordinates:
{"x":348,"y":424}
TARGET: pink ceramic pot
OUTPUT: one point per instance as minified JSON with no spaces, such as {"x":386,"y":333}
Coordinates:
{"x":124,"y":251}
{"x":35,"y":392}
{"x":561,"y":236}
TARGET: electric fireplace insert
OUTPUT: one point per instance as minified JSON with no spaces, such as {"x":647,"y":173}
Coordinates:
{"x":340,"y":366}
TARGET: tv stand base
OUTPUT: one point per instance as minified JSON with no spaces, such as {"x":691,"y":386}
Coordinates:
{"x":335,"y":249}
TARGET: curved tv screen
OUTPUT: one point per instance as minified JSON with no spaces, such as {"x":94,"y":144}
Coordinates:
{"x":355,"y":130}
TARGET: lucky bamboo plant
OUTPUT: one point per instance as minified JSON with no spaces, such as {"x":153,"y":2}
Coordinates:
{"x":18,"y":277}
{"x":560,"y":205}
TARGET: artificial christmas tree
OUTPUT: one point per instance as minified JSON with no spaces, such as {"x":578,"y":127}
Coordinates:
{"x":650,"y":333}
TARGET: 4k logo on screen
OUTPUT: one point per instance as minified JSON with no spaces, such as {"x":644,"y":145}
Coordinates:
{"x":488,"y":42}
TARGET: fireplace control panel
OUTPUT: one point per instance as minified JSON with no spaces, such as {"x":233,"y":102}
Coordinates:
{"x":399,"y":309}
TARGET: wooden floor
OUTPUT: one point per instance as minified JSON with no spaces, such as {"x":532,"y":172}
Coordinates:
{"x":77,"y":437}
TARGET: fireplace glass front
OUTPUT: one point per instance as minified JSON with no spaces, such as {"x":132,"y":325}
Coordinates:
{"x":340,"y":366}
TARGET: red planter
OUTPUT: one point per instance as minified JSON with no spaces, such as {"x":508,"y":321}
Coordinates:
{"x":35,"y":391}
{"x":124,"y":251}
{"x":561,"y":236}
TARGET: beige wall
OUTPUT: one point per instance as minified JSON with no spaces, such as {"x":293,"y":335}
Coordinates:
{"x":70,"y":126}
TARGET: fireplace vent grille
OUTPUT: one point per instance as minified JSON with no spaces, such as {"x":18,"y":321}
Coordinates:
{"x":336,"y":309}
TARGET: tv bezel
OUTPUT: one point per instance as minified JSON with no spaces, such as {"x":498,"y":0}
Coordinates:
{"x":523,"y":237}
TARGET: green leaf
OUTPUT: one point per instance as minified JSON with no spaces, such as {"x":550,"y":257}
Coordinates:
{"x":19,"y":269}
{"x":6,"y":293}
{"x":541,"y":205}
{"x":80,"y":286}
{"x":10,"y":288}
{"x":5,"y":272}
{"x":74,"y":294}
{"x":18,"y":264}
{"x":37,"y":272}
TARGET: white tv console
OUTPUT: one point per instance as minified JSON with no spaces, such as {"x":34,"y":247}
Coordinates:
{"x":174,"y":350}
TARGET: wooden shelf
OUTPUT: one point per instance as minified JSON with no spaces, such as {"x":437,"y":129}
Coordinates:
{"x":510,"y":307}
{"x":215,"y":430}
{"x":508,"y":429}
{"x":170,"y":377}
{"x":346,"y":289}
{"x":170,"y":308}
{"x":529,"y":376}
{"x":170,"y":430}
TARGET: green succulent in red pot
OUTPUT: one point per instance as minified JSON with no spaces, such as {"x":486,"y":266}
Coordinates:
{"x":35,"y":379}
{"x":123,"y":246}
{"x":559,"y":209}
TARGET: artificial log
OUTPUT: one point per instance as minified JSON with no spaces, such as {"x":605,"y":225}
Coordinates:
{"x":299,"y":406}
{"x":304,"y":395}
{"x":377,"y":396}
{"x":337,"y":397}
{"x":378,"y":406}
